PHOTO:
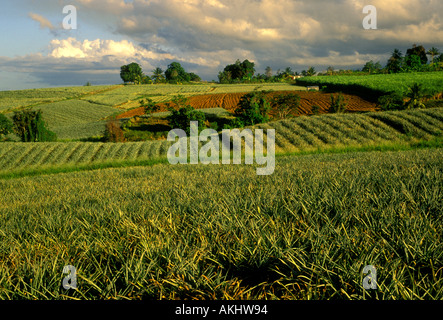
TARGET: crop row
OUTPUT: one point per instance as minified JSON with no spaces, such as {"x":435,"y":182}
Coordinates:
{"x":294,"y":134}
{"x":23,"y":155}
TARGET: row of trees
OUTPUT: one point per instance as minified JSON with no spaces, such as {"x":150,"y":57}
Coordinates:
{"x":175,"y":73}
{"x":245,"y":72}
{"x":415,"y":59}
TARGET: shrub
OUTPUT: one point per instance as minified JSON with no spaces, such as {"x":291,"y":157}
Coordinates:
{"x":113,"y":132}
{"x":393,"y":101}
{"x":315,"y":109}
{"x":286,"y":104}
{"x":338,"y":104}
{"x":253,"y":108}
{"x":149,"y":105}
{"x":5,"y":126}
{"x":30,"y":127}
{"x":181,"y":119}
{"x":235,"y":123}
{"x":416,"y":96}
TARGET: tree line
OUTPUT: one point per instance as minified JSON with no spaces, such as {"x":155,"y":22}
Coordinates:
{"x":175,"y":73}
{"x":414,"y":60}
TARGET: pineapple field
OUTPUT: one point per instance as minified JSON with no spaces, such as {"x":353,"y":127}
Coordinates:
{"x":349,"y":190}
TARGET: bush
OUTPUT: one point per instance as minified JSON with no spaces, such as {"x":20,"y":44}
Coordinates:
{"x":393,"y":101}
{"x":315,"y":109}
{"x":253,"y":108}
{"x":149,"y":105}
{"x":416,"y":95}
{"x":235,"y":123}
{"x":113,"y":132}
{"x":181,"y":119}
{"x":286,"y":104}
{"x":30,"y":127}
{"x":6,"y":126}
{"x":338,"y":104}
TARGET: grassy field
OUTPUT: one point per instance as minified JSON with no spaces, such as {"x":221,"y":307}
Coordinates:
{"x":168,"y":232}
{"x":301,"y":134}
{"x":10,"y":100}
{"x":379,"y":83}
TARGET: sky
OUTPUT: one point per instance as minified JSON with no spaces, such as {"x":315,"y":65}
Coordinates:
{"x":202,"y":35}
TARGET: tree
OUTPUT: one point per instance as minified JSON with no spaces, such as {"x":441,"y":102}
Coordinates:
{"x":30,"y":127}
{"x":224,"y":77}
{"x":194,"y":77}
{"x":416,"y":95}
{"x":433,"y":52}
{"x":157,"y":75}
{"x":372,"y":67}
{"x":253,"y":108}
{"x":146,"y":80}
{"x":395,"y":62}
{"x":240,"y":70}
{"x":177,"y":73}
{"x":6,"y":126}
{"x":392,"y":101}
{"x":268,"y":72}
{"x":418,"y":51}
{"x":330,"y":71}
{"x":149,"y":105}
{"x":288,"y":71}
{"x":248,"y":69}
{"x":131,"y":73}
{"x":338,"y":104}
{"x":286,"y":104}
{"x":311,"y":72}
{"x":412,"y":63}
{"x":181,"y":118}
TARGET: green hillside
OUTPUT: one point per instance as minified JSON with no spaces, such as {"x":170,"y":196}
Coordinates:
{"x":375,"y":84}
{"x":301,"y":134}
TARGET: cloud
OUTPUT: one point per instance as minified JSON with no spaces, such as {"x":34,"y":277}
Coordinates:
{"x":95,"y":50}
{"x":44,"y":23}
{"x":206,"y":35}
{"x":76,"y":61}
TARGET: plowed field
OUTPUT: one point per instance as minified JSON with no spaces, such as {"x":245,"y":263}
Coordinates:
{"x":229,"y":101}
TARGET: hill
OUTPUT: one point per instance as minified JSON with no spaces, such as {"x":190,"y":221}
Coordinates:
{"x":372,"y":86}
{"x":80,"y":112}
{"x":300,"y":134}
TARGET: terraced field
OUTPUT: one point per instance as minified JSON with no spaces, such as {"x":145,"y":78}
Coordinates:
{"x":294,"y":135}
{"x":128,"y":96}
{"x":229,"y":101}
{"x":78,"y":112}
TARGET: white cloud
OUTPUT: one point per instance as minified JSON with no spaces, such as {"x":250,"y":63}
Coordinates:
{"x":96,"y":50}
